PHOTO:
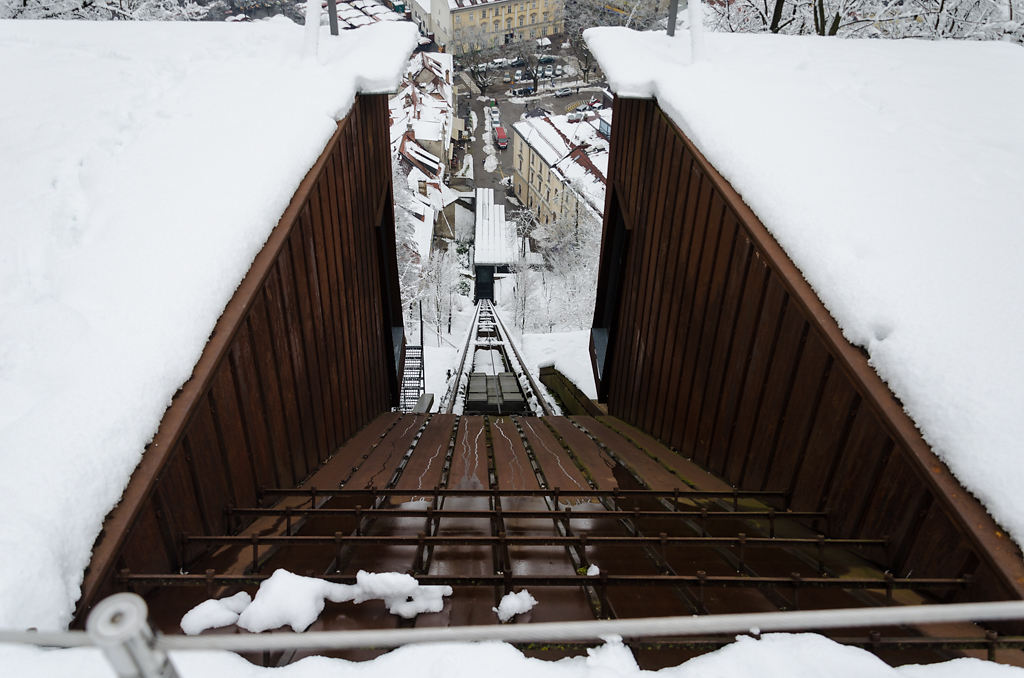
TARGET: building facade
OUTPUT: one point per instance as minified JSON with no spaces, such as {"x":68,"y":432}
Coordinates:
{"x":464,"y":26}
{"x":559,"y":167}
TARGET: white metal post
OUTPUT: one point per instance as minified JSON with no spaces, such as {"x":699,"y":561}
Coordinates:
{"x":118,"y":626}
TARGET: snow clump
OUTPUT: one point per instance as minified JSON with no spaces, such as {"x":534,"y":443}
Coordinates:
{"x":213,"y":614}
{"x":288,"y":599}
{"x":514,"y":603}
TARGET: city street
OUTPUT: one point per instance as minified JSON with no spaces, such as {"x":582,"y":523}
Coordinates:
{"x":512,"y":109}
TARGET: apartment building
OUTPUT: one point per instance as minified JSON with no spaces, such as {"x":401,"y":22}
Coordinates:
{"x":463,"y":26}
{"x":560,"y":165}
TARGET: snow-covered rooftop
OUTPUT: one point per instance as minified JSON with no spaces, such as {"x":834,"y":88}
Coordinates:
{"x":574,"y":150}
{"x":891,"y":173}
{"x":467,"y":4}
{"x":495,"y":239}
{"x":424,"y":103}
{"x":142,"y":167}
{"x":357,"y":13}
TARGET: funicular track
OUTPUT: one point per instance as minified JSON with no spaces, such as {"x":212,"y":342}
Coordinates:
{"x":492,"y":377}
{"x":495,"y":504}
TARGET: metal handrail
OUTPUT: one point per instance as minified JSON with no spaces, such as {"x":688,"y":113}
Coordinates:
{"x":119,"y":622}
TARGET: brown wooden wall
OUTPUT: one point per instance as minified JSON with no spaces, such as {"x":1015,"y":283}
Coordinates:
{"x":301,"y":359}
{"x":717,"y":346}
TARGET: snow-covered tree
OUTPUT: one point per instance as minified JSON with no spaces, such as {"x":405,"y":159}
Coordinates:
{"x":583,"y":14}
{"x":967,"y":19}
{"x":130,"y":10}
{"x":440,"y":283}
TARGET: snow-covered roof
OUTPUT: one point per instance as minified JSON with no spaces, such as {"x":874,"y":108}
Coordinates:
{"x":424,"y":5}
{"x":495,"y":238}
{"x":573,"y":149}
{"x":427,"y":130}
{"x":356,"y":13}
{"x":425,"y":100}
{"x":891,"y":173}
{"x":424,"y":206}
{"x":142,"y":167}
{"x":467,"y":4}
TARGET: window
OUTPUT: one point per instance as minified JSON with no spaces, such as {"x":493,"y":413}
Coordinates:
{"x":522,"y":18}
{"x":483,"y":14}
{"x":497,"y":25}
{"x":508,"y":22}
{"x":458,"y":19}
{"x":533,"y":18}
{"x":548,"y":196}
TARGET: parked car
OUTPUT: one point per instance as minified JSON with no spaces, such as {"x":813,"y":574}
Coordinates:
{"x":519,"y":75}
{"x":545,"y":59}
{"x":518,"y":61}
{"x":500,"y":137}
{"x":563,"y":92}
{"x":576,"y":116}
{"x":558,"y":70}
{"x":506,"y":77}
{"x":548,"y":71}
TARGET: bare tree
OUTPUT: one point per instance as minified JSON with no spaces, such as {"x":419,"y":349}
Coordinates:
{"x":967,"y":19}
{"x":479,"y":63}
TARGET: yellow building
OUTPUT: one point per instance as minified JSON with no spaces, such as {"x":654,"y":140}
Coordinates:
{"x":559,"y":165}
{"x":462,"y":26}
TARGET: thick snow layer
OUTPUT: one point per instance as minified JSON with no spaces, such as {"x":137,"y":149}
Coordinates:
{"x":569,"y":352}
{"x":495,"y":238}
{"x":774,"y":656}
{"x":296,"y":601}
{"x":512,"y":604}
{"x":213,"y":614}
{"x":891,"y":173}
{"x":142,"y":166}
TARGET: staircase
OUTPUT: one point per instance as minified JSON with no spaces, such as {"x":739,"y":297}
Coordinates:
{"x":412,"y":378}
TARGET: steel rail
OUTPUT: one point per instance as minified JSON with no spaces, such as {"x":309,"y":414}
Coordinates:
{"x":697,"y":628}
{"x":537,"y":393}
{"x":527,"y":540}
{"x":553,"y":492}
{"x":704,"y":580}
{"x":561,"y":514}
{"x":448,"y":404}
{"x":599,"y":629}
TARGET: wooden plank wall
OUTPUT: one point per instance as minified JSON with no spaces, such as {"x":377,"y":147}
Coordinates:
{"x":720,"y":349}
{"x":297,"y":364}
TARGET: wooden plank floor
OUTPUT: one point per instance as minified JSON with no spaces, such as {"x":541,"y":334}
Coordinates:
{"x":400,"y":466}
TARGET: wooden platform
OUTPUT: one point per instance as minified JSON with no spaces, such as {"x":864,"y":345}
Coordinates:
{"x":491,"y":505}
